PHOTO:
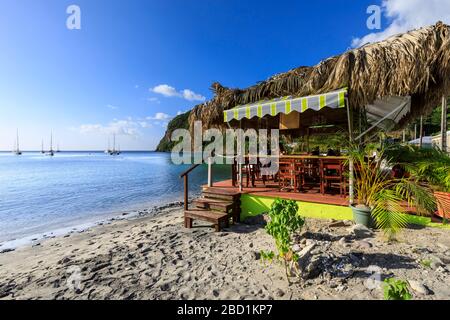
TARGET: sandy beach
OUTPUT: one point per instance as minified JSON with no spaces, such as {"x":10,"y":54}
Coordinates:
{"x":156,"y":258}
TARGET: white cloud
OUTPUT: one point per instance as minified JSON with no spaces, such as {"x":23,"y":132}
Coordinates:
{"x":119,"y":127}
{"x":165,"y":90}
{"x":405,"y":15}
{"x":169,"y":91}
{"x":159,"y":116}
{"x":110,"y":106}
{"x":192,"y":96}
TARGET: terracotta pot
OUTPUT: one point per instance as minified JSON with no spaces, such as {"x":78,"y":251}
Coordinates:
{"x":443,"y":203}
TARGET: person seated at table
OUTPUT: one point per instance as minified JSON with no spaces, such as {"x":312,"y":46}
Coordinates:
{"x":315,"y":151}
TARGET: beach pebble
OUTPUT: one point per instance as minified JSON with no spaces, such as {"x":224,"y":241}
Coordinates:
{"x":279,"y":293}
{"x":364,"y":244}
{"x":360,"y":231}
{"x":418,"y":287}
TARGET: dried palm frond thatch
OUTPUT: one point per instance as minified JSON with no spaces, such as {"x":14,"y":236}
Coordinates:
{"x":416,"y":64}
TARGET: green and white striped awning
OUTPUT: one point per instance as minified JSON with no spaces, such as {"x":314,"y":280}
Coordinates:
{"x":286,"y":105}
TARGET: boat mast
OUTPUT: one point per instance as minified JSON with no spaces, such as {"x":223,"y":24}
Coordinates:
{"x":17,"y":141}
{"x":51,"y":141}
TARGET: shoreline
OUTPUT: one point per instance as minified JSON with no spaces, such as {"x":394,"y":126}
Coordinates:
{"x":119,"y":215}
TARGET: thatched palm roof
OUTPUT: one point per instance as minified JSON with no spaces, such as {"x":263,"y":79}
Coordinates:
{"x":416,"y":63}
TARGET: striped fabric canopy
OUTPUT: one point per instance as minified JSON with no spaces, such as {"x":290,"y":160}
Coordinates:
{"x":286,"y":105}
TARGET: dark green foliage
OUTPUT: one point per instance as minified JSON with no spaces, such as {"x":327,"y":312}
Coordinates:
{"x":179,"y":122}
{"x":430,"y":165}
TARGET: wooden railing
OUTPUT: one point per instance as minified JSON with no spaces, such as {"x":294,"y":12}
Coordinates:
{"x":185,"y":175}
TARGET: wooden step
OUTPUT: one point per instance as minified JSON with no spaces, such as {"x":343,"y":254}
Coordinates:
{"x":222,"y":194}
{"x":221,"y":191}
{"x":215,"y":217}
{"x":214,"y":204}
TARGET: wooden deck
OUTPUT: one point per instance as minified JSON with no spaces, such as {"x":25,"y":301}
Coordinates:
{"x":312,"y":195}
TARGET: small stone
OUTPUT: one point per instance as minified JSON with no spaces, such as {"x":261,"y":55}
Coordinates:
{"x":441,"y":270}
{"x":418,"y":287}
{"x":337,"y":224}
{"x":340,"y":288}
{"x":364,"y":244}
{"x":280,"y":293}
{"x":360,"y":231}
{"x":64,"y":260}
{"x":343,"y":242}
{"x":296,"y":248}
{"x":256,"y":255}
{"x":436,"y":262}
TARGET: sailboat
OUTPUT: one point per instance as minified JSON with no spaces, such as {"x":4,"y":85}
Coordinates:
{"x":108,"y":151}
{"x":57,"y":148}
{"x":114,"y":152}
{"x":42,"y":146}
{"x":17,"y":151}
{"x":51,"y":153}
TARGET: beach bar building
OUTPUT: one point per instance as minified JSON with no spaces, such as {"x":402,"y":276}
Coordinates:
{"x":378,"y":87}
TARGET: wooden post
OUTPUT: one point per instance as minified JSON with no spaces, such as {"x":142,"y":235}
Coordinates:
{"x":186,"y":191}
{"x":210,"y":177}
{"x":240,"y":176}
{"x":351,"y":169}
{"x":404,"y":136}
{"x":421,"y":132}
{"x":444,"y":124}
{"x":415,"y":131}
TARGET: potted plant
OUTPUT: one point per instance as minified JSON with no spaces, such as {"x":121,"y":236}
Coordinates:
{"x":381,"y":198}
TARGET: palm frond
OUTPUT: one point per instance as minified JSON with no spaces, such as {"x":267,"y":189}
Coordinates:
{"x":388,"y":213}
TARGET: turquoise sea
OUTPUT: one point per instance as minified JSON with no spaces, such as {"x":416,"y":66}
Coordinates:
{"x":42,"y":196}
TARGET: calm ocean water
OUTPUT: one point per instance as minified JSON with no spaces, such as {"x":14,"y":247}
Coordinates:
{"x":43,"y":195}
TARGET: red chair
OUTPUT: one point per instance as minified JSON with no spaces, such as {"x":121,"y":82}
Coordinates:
{"x":287,"y":176}
{"x":332,"y":171}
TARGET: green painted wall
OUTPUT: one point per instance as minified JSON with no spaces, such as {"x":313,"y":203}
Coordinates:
{"x":254,"y":205}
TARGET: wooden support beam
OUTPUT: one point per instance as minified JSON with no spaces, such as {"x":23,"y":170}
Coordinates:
{"x":210,"y":173}
{"x":351,"y":169}
{"x":421,"y":131}
{"x":444,"y":124}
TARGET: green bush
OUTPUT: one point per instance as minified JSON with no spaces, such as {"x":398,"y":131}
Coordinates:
{"x":396,"y":290}
{"x":284,"y":222}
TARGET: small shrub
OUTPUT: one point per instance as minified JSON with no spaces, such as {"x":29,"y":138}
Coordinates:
{"x":267,"y":256}
{"x":396,"y":290}
{"x":284,"y":222}
{"x":426,"y":263}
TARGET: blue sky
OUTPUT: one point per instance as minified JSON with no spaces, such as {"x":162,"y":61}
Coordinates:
{"x":135,"y":64}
